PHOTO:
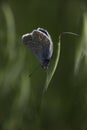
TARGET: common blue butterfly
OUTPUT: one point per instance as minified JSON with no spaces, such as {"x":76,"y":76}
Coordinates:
{"x":40,"y":43}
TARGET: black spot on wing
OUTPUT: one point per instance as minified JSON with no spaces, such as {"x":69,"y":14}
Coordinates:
{"x":44,"y":31}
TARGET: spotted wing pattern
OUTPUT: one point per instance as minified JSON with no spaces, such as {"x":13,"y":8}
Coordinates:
{"x":40,"y":43}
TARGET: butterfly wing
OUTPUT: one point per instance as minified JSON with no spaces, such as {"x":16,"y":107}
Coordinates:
{"x":40,"y":44}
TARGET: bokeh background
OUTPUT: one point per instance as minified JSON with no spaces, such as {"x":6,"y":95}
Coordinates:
{"x":23,"y":106}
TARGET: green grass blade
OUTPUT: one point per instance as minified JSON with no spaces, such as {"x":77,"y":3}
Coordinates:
{"x":11,"y":32}
{"x":81,"y":52}
{"x":53,"y":65}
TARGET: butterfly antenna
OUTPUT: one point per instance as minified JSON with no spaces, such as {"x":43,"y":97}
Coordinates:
{"x":34,"y":70}
{"x":69,"y":33}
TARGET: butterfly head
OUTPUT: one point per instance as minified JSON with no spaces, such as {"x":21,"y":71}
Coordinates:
{"x":45,"y":63}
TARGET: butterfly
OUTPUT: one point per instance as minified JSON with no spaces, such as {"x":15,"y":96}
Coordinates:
{"x":40,"y":44}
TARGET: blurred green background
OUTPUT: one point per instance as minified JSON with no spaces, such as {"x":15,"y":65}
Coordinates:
{"x":23,"y":106}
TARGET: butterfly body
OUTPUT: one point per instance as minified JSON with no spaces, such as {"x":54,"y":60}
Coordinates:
{"x":40,"y":44}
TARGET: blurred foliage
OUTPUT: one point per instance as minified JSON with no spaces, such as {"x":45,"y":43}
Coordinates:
{"x":23,"y":105}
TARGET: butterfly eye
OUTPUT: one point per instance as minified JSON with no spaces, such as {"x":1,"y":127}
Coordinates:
{"x":46,"y":61}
